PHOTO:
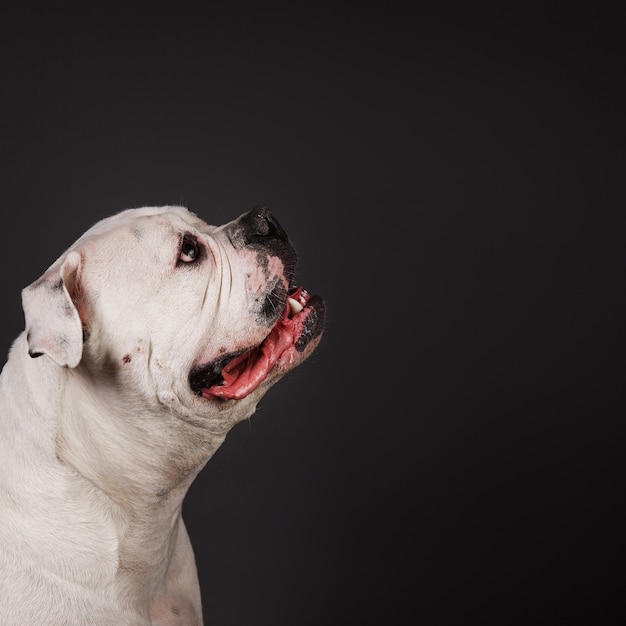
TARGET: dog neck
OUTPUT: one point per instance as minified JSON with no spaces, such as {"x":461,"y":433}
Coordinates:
{"x":132,"y":474}
{"x":136,"y":458}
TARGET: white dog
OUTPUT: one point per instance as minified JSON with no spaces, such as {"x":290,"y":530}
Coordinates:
{"x":156,"y":334}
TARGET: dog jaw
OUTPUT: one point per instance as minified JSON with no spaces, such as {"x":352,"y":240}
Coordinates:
{"x":294,"y":336}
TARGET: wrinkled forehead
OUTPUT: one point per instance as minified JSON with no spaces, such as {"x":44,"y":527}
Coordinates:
{"x":154,"y":224}
{"x":148,"y":222}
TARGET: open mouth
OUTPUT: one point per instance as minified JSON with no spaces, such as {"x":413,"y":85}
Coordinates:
{"x":235,"y":375}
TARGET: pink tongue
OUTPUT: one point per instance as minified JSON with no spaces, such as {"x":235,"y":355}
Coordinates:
{"x":247,"y":371}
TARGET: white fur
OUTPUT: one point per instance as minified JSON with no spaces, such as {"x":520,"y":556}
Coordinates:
{"x":100,"y":440}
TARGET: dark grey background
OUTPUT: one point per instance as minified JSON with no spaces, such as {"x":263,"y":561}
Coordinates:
{"x":452,"y":452}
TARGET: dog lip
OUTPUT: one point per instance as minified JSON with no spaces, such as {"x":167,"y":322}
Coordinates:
{"x":210,"y":374}
{"x":236,"y":374}
{"x":313,"y":324}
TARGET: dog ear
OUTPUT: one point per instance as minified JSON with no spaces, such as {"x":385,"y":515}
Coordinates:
{"x":53,"y":324}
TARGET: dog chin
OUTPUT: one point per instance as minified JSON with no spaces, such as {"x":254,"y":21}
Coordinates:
{"x":295,"y":335}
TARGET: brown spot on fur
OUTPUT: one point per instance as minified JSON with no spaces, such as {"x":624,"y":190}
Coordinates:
{"x":127,"y":358}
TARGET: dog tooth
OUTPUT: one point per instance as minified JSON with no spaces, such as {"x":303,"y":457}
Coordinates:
{"x":296,"y":307}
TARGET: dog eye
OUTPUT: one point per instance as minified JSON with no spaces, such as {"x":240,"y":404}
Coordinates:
{"x":189,"y":250}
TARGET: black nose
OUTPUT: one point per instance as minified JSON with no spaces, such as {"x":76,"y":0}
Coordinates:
{"x":260,"y":226}
{"x":260,"y":230}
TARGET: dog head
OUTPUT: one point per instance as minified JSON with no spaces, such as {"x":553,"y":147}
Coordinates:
{"x":176,"y":313}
